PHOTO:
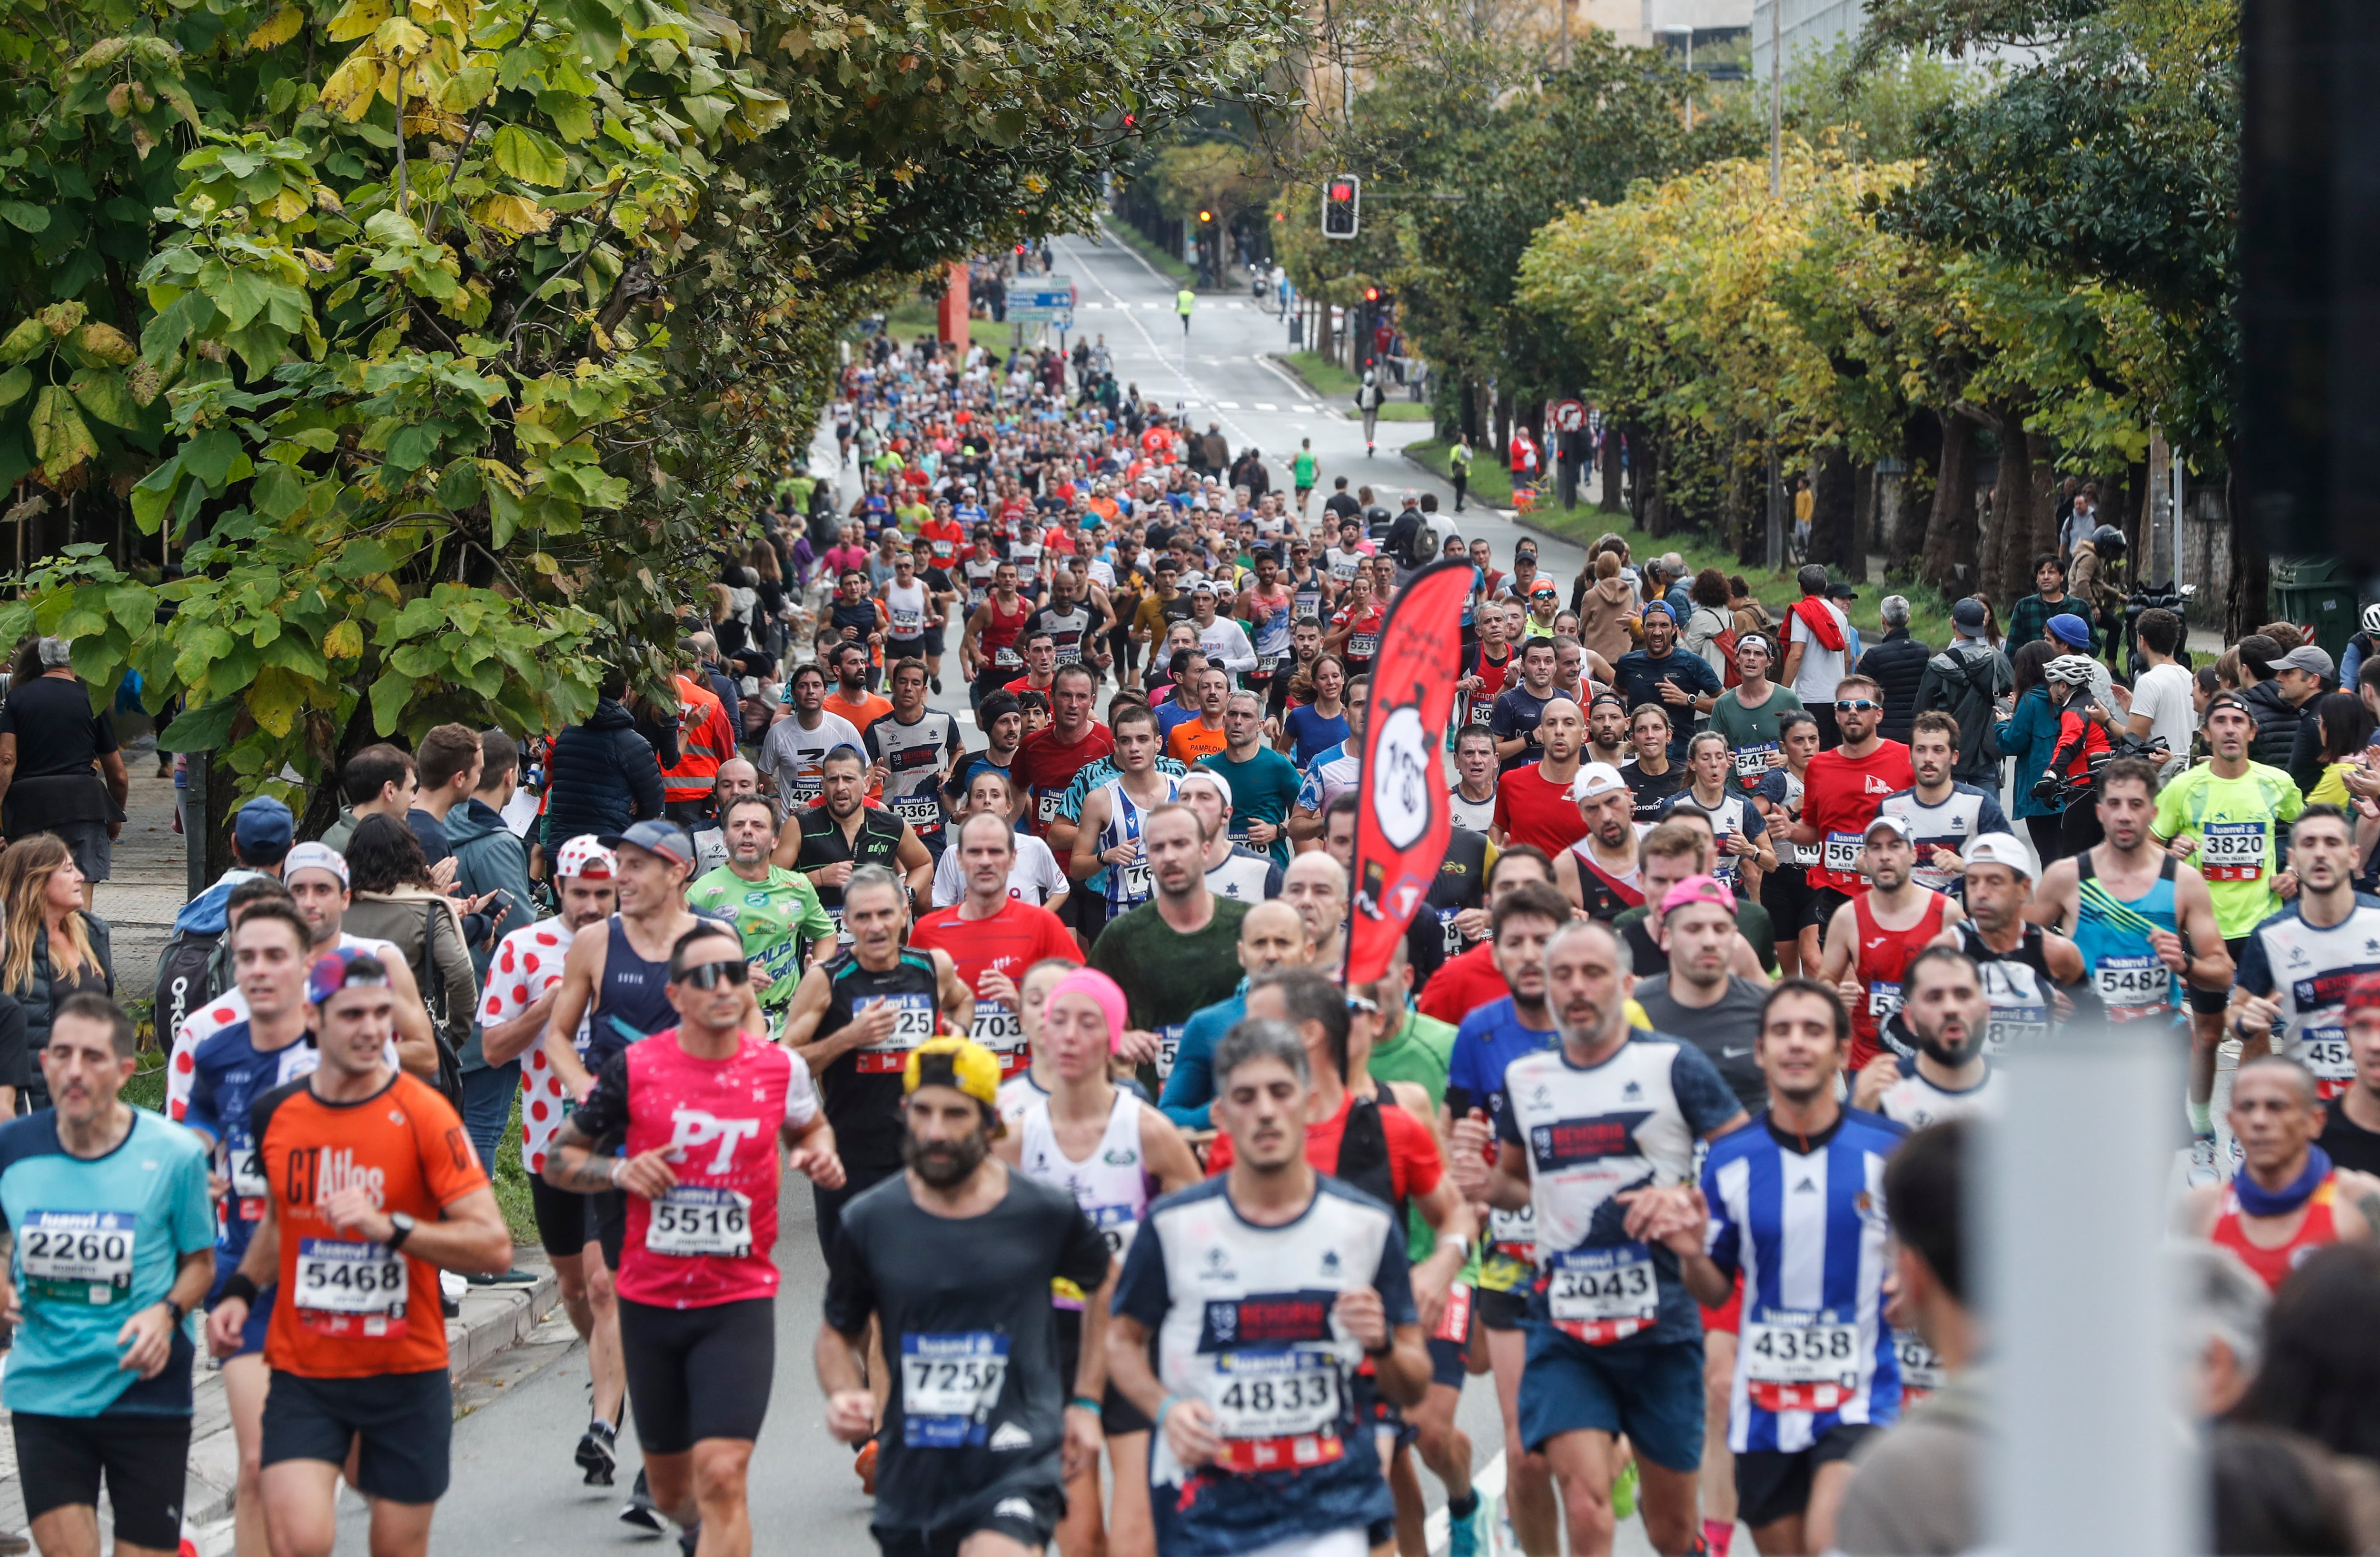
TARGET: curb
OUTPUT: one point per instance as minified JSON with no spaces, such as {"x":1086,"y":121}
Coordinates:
{"x":492,"y":1320}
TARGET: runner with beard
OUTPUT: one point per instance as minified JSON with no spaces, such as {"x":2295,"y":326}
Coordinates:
{"x":2030,"y":975}
{"x":1944,"y":816}
{"x":1874,"y":936}
{"x":909,"y":751}
{"x":1845,"y":787}
{"x":1946,"y":1015}
{"x":2146,"y":928}
{"x":1601,"y":872}
{"x":846,"y":833}
{"x":2298,"y":966}
{"x":1614,"y":1347}
{"x":1113,"y":1154}
{"x":1607,"y":731}
{"x":953,"y":1261}
{"x":1786,"y":892}
{"x":775,"y":911}
{"x":988,"y":647}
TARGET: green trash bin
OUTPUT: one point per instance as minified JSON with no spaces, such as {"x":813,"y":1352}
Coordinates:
{"x":2316,"y":592}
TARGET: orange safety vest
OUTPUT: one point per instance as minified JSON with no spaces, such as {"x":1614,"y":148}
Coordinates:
{"x":704,"y":741}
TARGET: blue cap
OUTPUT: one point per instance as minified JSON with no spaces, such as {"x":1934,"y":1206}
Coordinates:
{"x":2069,"y":628}
{"x":263,"y":830}
{"x":1664,"y":607}
{"x":655,"y":837}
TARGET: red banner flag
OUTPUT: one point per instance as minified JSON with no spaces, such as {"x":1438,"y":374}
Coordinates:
{"x":1401,"y":818}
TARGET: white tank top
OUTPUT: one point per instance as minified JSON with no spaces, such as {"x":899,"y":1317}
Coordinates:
{"x":1111,"y":1185}
{"x":1130,"y":885}
{"x":908,"y":609}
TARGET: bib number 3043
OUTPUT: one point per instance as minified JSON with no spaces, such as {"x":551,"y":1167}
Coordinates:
{"x":77,"y":1257}
{"x":1604,"y":1295}
{"x":351,"y":1289}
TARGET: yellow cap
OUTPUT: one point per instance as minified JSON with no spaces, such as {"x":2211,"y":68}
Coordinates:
{"x":954,"y":1062}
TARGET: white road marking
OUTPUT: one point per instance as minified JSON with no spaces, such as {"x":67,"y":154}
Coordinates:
{"x":1266,"y":405}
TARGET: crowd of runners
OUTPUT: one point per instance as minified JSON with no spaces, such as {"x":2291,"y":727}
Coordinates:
{"x":1143,"y":1230}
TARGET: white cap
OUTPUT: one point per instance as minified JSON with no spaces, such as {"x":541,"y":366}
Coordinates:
{"x":585,"y":856}
{"x":1596,"y":779}
{"x":2003,"y":848}
{"x":1891,"y":821}
{"x":1223,"y":785}
{"x":314,"y":857}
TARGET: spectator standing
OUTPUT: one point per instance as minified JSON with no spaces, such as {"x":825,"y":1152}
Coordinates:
{"x":1606,"y":610}
{"x":2280,"y":686}
{"x":379,"y":779}
{"x":60,"y":770}
{"x":1897,"y":661}
{"x":447,"y":770}
{"x":1817,"y":651}
{"x":1966,"y":681}
{"x":2031,"y":615}
{"x":2028,"y":736}
{"x":2162,"y":707}
{"x":490,"y":866}
{"x":603,"y":775}
{"x":1707,"y":618}
{"x":392,"y":899}
{"x":57,"y":948}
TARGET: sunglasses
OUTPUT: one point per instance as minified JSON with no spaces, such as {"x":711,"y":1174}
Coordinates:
{"x":711,"y":975}
{"x":1859,"y":705}
{"x":1362,"y":1006}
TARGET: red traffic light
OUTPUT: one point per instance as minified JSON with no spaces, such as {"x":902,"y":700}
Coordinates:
{"x":1343,"y":191}
{"x":1371,"y":294}
{"x":1206,"y":217}
{"x":1279,"y":216}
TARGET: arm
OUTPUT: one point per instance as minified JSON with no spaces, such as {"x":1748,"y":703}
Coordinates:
{"x":916,"y":865}
{"x":580,"y":970}
{"x":508,"y":1041}
{"x":958,"y":1001}
{"x":1792,"y":667}
{"x":850,"y":1409}
{"x":1083,"y":855}
{"x":8,"y":759}
{"x":644,"y":775}
{"x":119,"y":783}
{"x":148,"y":1336}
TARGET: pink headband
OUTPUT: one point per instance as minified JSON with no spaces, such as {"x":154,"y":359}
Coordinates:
{"x":1102,"y":990}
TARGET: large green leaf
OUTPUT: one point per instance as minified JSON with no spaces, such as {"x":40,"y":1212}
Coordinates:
{"x":200,"y":729}
{"x":530,"y":157}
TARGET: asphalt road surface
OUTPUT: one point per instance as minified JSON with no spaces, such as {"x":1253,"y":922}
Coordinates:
{"x":515,"y":1486}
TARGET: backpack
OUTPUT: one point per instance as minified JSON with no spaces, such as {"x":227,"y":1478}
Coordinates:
{"x":194,"y":968}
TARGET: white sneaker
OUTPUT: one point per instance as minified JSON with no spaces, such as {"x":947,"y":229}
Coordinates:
{"x":2201,"y":1160}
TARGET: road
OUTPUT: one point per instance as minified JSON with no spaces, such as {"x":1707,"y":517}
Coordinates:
{"x":514,"y":1488}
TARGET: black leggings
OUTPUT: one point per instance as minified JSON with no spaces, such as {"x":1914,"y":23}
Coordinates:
{"x":698,"y":1373}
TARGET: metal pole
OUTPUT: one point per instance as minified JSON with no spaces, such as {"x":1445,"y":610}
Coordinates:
{"x":2090,"y":1455}
{"x":194,"y":822}
{"x":1776,"y":547}
{"x":1775,"y":98}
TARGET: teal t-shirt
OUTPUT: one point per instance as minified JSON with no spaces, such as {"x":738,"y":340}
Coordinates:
{"x":1263,"y":789}
{"x":97,"y":1241}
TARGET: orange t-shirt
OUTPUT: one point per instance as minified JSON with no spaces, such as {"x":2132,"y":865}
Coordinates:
{"x":343,"y":1311}
{"x":863,"y":714}
{"x":1192,"y":741}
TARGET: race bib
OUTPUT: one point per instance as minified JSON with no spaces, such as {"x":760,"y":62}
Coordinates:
{"x":1046,"y":810}
{"x":996,"y":1028}
{"x":693,"y":1218}
{"x":76,"y":1257}
{"x":1514,"y":1231}
{"x":1843,"y":852}
{"x":1006,"y":658}
{"x":1921,"y":1370}
{"x":1752,"y":763}
{"x":1883,"y":998}
{"x":1450,"y":938}
{"x":1275,"y":1410}
{"x":923,"y":813}
{"x":2015,"y":1024}
{"x":912,"y":1023}
{"x":1116,"y":1225}
{"x":1133,"y":883}
{"x":950,"y":1385}
{"x":1604,"y":1295}
{"x":248,"y":1180}
{"x":2133,"y":987}
{"x":2233,"y":851}
{"x":908,"y":624}
{"x":1169,"y":1044}
{"x":1796,"y":1362}
{"x":2324,"y":1051}
{"x":1360,"y":645}
{"x":350,"y":1289}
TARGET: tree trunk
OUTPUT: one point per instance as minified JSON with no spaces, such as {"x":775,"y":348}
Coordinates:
{"x":2007,"y":555}
{"x":1502,"y":453}
{"x":2251,"y":572}
{"x":2041,"y":533}
{"x":1921,"y":441}
{"x":1612,"y":439}
{"x":1834,"y":534}
{"x":1949,"y":561}
{"x":1864,"y":496}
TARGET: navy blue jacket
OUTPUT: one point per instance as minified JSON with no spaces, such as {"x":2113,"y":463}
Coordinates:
{"x":603,"y":777}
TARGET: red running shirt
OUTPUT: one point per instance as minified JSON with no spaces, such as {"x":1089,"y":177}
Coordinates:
{"x":1045,"y":766}
{"x":1882,"y":956}
{"x":1839,"y":798}
{"x":1007,"y":942}
{"x":712,"y":1238}
{"x":2274,"y":1265}
{"x":1532,"y":810}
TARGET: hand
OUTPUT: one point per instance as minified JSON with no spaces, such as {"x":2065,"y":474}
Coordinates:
{"x":1467,"y":1150}
{"x":1675,"y":1215}
{"x":1868,"y":1089}
{"x":1850,"y":989}
{"x":350,"y":1210}
{"x":2182,"y":847}
{"x":2061,"y":1005}
{"x":1358,"y":1310}
{"x":760,"y":976}
{"x":1138,"y":1046}
{"x":1122,"y":853}
{"x":148,"y":1341}
{"x":1190,"y":1431}
{"x":1080,"y":1451}
{"x":2286,"y":884}
{"x":1674,"y":694}
{"x":441,"y":875}
{"x":1738,"y":842}
{"x":224,"y":1322}
{"x":1262,"y":833}
{"x":475,"y":905}
{"x":647,"y":1174}
{"x":822,"y":1168}
{"x":851,"y":1416}
{"x":833,"y":875}
{"x":1948,"y":860}
{"x":11,"y":1310}
{"x":1431,"y":1293}
{"x":875,"y":1023}
{"x":2168,"y":946}
{"x":2254,"y":1014}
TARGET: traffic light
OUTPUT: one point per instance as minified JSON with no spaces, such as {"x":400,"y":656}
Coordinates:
{"x":1342,"y":201}
{"x":1371,"y":294}
{"x":1206,"y":217}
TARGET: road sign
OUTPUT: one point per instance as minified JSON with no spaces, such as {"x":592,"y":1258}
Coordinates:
{"x":1042,"y":300}
{"x":1569,"y":417}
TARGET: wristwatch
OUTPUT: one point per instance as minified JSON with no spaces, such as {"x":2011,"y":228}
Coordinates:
{"x":400,"y":1228}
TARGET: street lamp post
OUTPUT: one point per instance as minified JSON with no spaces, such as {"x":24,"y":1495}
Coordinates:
{"x":1688,"y":33}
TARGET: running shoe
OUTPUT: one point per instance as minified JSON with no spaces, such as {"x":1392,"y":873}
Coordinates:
{"x":865,"y":1463}
{"x":599,"y":1453}
{"x":1623,"y":1492}
{"x":1505,"y":1542}
{"x":2201,"y":1160}
{"x":1466,"y":1536}
{"x":1717,"y":1535}
{"x":641,"y":1511}
{"x":938,"y":686}
{"x":690,"y":1537}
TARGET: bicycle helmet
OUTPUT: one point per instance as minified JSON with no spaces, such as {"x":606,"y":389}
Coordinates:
{"x":2074,"y":670}
{"x":2371,"y":619}
{"x":2109,"y":542}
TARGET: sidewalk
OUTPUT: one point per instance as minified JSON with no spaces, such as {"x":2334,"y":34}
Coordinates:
{"x":493,"y":1320}
{"x":150,"y":880}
